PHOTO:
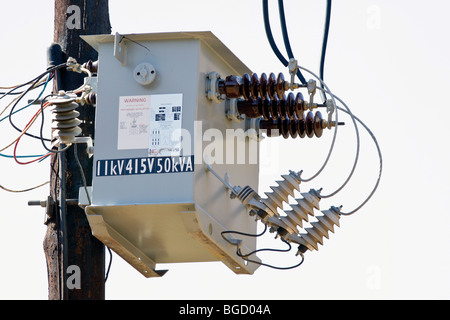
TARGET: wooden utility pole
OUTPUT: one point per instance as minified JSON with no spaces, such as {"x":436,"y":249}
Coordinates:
{"x":75,"y":259}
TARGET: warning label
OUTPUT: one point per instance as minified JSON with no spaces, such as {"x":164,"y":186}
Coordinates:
{"x":134,"y":122}
{"x":149,"y":122}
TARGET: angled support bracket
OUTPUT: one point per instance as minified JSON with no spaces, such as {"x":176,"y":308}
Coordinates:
{"x":120,"y":48}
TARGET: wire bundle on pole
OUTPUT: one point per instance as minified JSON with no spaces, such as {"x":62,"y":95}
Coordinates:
{"x":65,"y":119}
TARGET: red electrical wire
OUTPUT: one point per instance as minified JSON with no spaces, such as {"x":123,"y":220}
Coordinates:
{"x":26,"y":129}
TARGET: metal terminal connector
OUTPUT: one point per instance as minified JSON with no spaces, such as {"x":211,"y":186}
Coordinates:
{"x":312,"y":86}
{"x":231,"y":111}
{"x":212,"y":91}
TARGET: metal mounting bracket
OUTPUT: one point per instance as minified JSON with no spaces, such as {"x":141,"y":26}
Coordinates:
{"x":120,"y":48}
{"x":88,"y":141}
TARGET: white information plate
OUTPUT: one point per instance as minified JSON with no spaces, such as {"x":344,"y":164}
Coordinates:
{"x":165,"y":119}
{"x":148,"y":122}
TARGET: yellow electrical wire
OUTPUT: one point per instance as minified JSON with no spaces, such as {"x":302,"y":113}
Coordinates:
{"x":25,"y":190}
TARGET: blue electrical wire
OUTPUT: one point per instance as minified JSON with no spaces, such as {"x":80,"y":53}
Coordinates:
{"x":27,"y":106}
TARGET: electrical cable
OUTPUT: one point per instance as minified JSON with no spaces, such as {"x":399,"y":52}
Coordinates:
{"x":63,"y":214}
{"x":17,"y":142}
{"x":86,"y":83}
{"x":275,"y":267}
{"x":25,"y":190}
{"x":22,"y":131}
{"x":286,"y":38}
{"x":57,"y":222}
{"x":109,"y":264}
{"x":50,"y":70}
{"x":354,"y":119}
{"x":325,"y":42}
{"x":83,"y":177}
{"x":380,"y":156}
{"x":20,"y":157}
{"x":358,"y":143}
{"x":355,"y":162}
{"x":33,"y":102}
{"x":269,"y":34}
{"x":12,"y":112}
{"x":245,"y":256}
{"x":335,"y":128}
{"x":13,"y":101}
{"x":32,"y":87}
{"x":11,"y":93}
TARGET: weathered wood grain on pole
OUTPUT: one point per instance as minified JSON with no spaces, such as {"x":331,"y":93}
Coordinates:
{"x":83,"y":251}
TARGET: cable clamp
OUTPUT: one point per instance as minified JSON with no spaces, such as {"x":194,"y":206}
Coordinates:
{"x":73,"y":65}
{"x":311,"y":86}
{"x":85,"y":96}
{"x":331,"y":107}
{"x":89,"y":142}
{"x":293,"y":67}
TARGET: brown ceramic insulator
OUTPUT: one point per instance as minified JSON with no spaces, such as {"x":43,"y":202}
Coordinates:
{"x":270,"y":126}
{"x":260,"y":103}
{"x":271,"y":86}
{"x":230,"y":87}
{"x":250,"y":108}
{"x":318,"y":120}
{"x":254,"y":86}
{"x":290,"y":106}
{"x":274,"y":108}
{"x":263,"y":86}
{"x":266,"y":109}
{"x":282,"y":108}
{"x":285,"y":127}
{"x":91,"y":98}
{"x":300,"y":105}
{"x":294,"y":128}
{"x":92,"y":66}
{"x":309,"y":124}
{"x":280,"y":86}
{"x":301,"y":126}
{"x":245,"y":88}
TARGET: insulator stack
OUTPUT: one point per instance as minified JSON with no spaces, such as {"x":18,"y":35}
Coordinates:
{"x":301,"y":211}
{"x":314,"y":235}
{"x":281,"y":193}
{"x":310,"y":125}
{"x":251,"y":87}
{"x":245,"y":194}
{"x":91,"y":99}
{"x":92,"y":66}
{"x":290,"y":107}
{"x":65,"y":122}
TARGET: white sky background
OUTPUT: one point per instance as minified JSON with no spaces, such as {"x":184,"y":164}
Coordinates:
{"x":387,"y":59}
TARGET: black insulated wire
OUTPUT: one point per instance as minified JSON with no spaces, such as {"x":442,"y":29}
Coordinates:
{"x":270,"y":35}
{"x":32,"y":86}
{"x":325,"y":40}
{"x":245,"y":256}
{"x":287,"y":43}
{"x":14,"y":106}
